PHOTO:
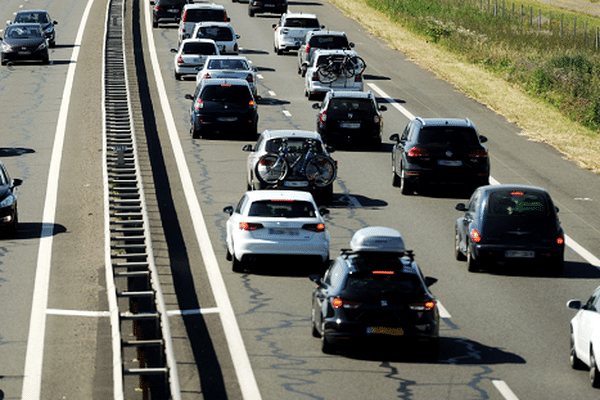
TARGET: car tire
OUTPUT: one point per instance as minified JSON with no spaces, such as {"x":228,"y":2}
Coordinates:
{"x":457,"y":253}
{"x":406,"y":188}
{"x":303,"y":73}
{"x":14,"y":229}
{"x":236,"y":265}
{"x":155,"y":24}
{"x":250,"y":13}
{"x":557,"y":266}
{"x":575,"y":362}
{"x":228,"y":255}
{"x":176,"y":76}
{"x":472,"y":264}
{"x":395,"y":177}
{"x":594,"y":373}
{"x":193,"y":131}
{"x":326,"y":346}
{"x":52,"y":44}
{"x":314,"y":331}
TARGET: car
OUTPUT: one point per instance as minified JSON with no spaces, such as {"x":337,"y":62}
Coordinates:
{"x":24,"y":41}
{"x":270,"y":142}
{"x":585,"y":336}
{"x":291,"y":29}
{"x":199,"y":12}
{"x":266,"y":7}
{"x":271,"y":223}
{"x":38,"y":17}
{"x":439,"y":151}
{"x":9,"y":216}
{"x":191,"y":56}
{"x":510,"y":223}
{"x":221,"y":32}
{"x":167,"y":11}
{"x":375,"y":293}
{"x":229,"y":67}
{"x":223,"y":106}
{"x":350,"y":118}
{"x":324,"y":40}
{"x":333,"y":70}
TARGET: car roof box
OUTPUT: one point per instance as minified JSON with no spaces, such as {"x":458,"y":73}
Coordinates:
{"x":377,"y":239}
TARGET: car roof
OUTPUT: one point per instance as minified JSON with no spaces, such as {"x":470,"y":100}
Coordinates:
{"x":244,"y":58}
{"x":224,"y":81}
{"x":299,"y":15}
{"x":326,"y":33}
{"x":326,"y":52}
{"x":31,"y":11}
{"x":280,"y":133}
{"x":204,"y":5}
{"x":214,"y":23}
{"x":198,"y":40}
{"x":530,"y":188}
{"x":466,"y":122}
{"x":255,"y":195}
{"x":349,"y":94}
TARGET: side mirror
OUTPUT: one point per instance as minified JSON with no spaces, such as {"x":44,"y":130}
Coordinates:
{"x":247,"y":147}
{"x":173,"y":50}
{"x":483,"y":139}
{"x":404,"y":137}
{"x":228,"y":19}
{"x":351,"y":45}
{"x":274,"y":26}
{"x":395,"y":137}
{"x":189,"y":97}
{"x":329,"y":149}
{"x":228,"y":210}
{"x":323,"y":211}
{"x":461,"y":207}
{"x":316,"y":278}
{"x":556,"y":208}
{"x":55,"y":22}
{"x":17,"y":182}
{"x":429,"y":280}
{"x":575,"y":304}
{"x":237,"y":36}
{"x":382,"y":108}
{"x":316,"y":106}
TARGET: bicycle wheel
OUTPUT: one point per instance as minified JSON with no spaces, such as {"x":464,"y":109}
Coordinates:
{"x":357,"y":65}
{"x":326,"y":75}
{"x":271,"y":168}
{"x":321,"y":170}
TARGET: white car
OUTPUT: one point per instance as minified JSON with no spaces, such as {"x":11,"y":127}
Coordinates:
{"x":221,"y":32}
{"x":199,"y":12}
{"x":585,"y":336}
{"x":228,"y":67}
{"x":191,"y":56}
{"x":275,"y":223}
{"x":291,"y":29}
{"x":316,"y":84}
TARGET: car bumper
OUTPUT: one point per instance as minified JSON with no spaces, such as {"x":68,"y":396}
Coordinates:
{"x":503,"y":253}
{"x":246,"y":250}
{"x":15,"y":56}
{"x":464,"y":176}
{"x":354,"y":137}
{"x":336,"y":330}
{"x":188,"y":69}
{"x":267,"y":10}
{"x":7,"y":217}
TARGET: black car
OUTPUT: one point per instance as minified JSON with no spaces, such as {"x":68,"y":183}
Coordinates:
{"x":439,"y":151}
{"x":168,"y":11}
{"x":350,"y":118}
{"x":510,"y":223}
{"x":267,"y":7}
{"x":38,"y":17}
{"x":375,"y":292}
{"x":24,"y":42}
{"x":9,"y":217}
{"x":223,"y":106}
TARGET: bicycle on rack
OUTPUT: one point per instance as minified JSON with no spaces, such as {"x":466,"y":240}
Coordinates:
{"x":319,"y":169}
{"x":346,"y":66}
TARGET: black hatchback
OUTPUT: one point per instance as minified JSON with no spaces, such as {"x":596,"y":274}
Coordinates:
{"x":350,"y":118}
{"x":266,"y":6}
{"x":439,"y":151}
{"x":167,"y":11}
{"x":224,"y":106}
{"x":24,"y":41}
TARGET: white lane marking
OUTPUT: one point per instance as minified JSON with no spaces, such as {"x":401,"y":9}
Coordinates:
{"x":287,"y":113}
{"x":198,"y":311}
{"x":394,"y":104}
{"x":272,"y":93}
{"x":504,"y":389}
{"x":259,"y":76}
{"x":233,"y":335}
{"x":443,"y":312}
{"x":77,"y":313}
{"x":32,"y":379}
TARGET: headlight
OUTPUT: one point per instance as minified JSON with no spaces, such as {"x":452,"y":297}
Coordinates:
{"x":41,"y":46}
{"x":8,"y":201}
{"x":7,"y":48}
{"x":49,"y":29}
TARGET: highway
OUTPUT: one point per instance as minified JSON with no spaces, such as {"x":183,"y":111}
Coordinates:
{"x":504,"y":334}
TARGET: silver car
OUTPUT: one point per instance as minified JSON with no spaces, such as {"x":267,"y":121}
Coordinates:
{"x":228,"y":67}
{"x":192,"y":55}
{"x":291,"y":30}
{"x":320,"y":40}
{"x":221,"y":32}
{"x":316,"y":84}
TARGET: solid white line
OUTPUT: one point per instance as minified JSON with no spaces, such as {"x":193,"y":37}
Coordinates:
{"x":443,"y":312}
{"x":198,"y":311}
{"x":32,"y":379}
{"x":287,"y":113}
{"x":77,"y":313}
{"x":504,"y":389}
{"x":394,"y":104}
{"x":241,"y":361}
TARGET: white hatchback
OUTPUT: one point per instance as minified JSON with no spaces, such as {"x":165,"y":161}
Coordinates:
{"x":275,"y":223}
{"x":229,"y":67}
{"x":191,"y":56}
{"x":221,"y":32}
{"x":291,"y":29}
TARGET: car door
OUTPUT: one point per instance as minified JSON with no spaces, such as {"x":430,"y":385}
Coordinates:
{"x":467,"y":219}
{"x":331,"y":281}
{"x":588,"y":323}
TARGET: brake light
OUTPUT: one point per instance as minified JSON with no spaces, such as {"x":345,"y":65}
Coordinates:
{"x":338,"y":302}
{"x":267,"y":162}
{"x":251,"y":104}
{"x":206,"y":76}
{"x":516,"y":193}
{"x":417,"y":152}
{"x":383,"y":272}
{"x":248,"y":226}
{"x":249,"y":78}
{"x":320,"y":227}
{"x":478,"y":153}
{"x":560,"y":240}
{"x":180,"y":60}
{"x":475,"y":236}
{"x":158,"y":8}
{"x":307,"y":49}
{"x":184,"y":17}
{"x":315,"y":77}
{"x":199,"y":104}
{"x":235,"y":48}
{"x":358,"y":78}
{"x":376,"y":119}
{"x":224,"y":16}
{"x":427,"y":306}
{"x":323,"y":117}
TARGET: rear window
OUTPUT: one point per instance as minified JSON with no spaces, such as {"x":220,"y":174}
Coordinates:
{"x":171,"y":3}
{"x":329,"y":42}
{"x":199,"y":48}
{"x":301,"y":23}
{"x":194,"y":15}
{"x":351,"y":105}
{"x":518,"y":204}
{"x":226,"y":93}
{"x":293,"y":145}
{"x":448,"y":135}
{"x":285,"y":209}
{"x":227,"y":64}
{"x":215,"y":33}
{"x":38,"y":18}
{"x":387,"y":274}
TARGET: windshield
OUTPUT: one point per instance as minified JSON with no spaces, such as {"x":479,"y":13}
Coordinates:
{"x":301,"y":23}
{"x":293,"y":145}
{"x":448,"y":135}
{"x":329,"y":42}
{"x":351,"y":105}
{"x":282,"y":208}
{"x":23,"y":33}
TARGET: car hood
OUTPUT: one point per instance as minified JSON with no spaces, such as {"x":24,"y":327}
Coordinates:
{"x":26,"y":42}
{"x":4,"y":192}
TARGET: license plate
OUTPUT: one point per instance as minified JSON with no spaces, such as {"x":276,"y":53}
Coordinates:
{"x":227,"y":119}
{"x":173,"y":11}
{"x":295,"y":183}
{"x":519,"y":254}
{"x":269,"y":5}
{"x":280,"y":232}
{"x":24,"y":53}
{"x":450,"y":163}
{"x":350,"y":125}
{"x":385,"y":330}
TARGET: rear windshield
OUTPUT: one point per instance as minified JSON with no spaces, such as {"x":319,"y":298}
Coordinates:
{"x":199,"y":48}
{"x":448,"y":135}
{"x":334,"y":58}
{"x":518,"y":204}
{"x":378,"y":275}
{"x":193,"y":15}
{"x":215,"y":33}
{"x":226,"y":93}
{"x":285,"y":209}
{"x":36,"y":17}
{"x":351,"y":105}
{"x":329,"y":42}
{"x":227,"y":64}
{"x":301,"y":23}
{"x":293,"y":145}
{"x":172,"y":3}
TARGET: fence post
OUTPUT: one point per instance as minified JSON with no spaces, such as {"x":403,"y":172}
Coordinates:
{"x":540,"y":20}
{"x":562,"y":21}
{"x":531,"y":16}
{"x":574,"y":27}
{"x":521,"y":14}
{"x":597,"y":38}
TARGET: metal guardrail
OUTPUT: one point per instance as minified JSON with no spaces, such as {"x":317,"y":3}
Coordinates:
{"x":140,"y":311}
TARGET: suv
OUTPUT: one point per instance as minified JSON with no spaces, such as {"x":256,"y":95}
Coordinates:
{"x":375,"y":291}
{"x":317,"y":84}
{"x":224,"y":106}
{"x":167,"y":11}
{"x":350,"y":118}
{"x":291,"y":30}
{"x":266,"y":6}
{"x":202,"y":12}
{"x":315,"y":40}
{"x":439,"y":150}
{"x":221,"y":32}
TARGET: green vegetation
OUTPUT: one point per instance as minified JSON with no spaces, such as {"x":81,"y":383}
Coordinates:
{"x":545,"y":52}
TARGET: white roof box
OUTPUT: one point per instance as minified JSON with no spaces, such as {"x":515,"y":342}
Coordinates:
{"x":379,"y":239}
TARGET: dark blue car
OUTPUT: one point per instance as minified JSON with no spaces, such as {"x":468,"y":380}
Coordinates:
{"x":9,"y":217}
{"x":39,"y":17}
{"x":507,"y":224}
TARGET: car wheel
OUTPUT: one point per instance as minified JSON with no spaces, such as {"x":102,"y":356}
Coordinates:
{"x":457,"y":253}
{"x":236,"y":265}
{"x":557,"y":266}
{"x":472,"y":264}
{"x":575,"y":362}
{"x":52,"y":44}
{"x":303,"y":73}
{"x":395,"y":177}
{"x":315,"y":331}
{"x":326,"y":346}
{"x":176,"y":76}
{"x":251,"y":13}
{"x":154,"y":23}
{"x":406,"y":188}
{"x":193,"y":131}
{"x":228,"y":255}
{"x":15,"y":226}
{"x":594,"y":373}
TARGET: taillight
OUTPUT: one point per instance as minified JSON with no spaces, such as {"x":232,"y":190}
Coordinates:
{"x":184,"y":17}
{"x":323,"y":117}
{"x":235,"y":48}
{"x":206,"y":76}
{"x":320,"y":227}
{"x":199,"y":104}
{"x":478,"y":153}
{"x":358,"y":78}
{"x":376,"y":119}
{"x":475,"y":236}
{"x":338,"y":302}
{"x":158,"y":8}
{"x":267,"y":162}
{"x":180,"y":60}
{"x":315,"y":77}
{"x":224,"y":16}
{"x":251,"y":104}
{"x":248,"y":226}
{"x":250,"y":78}
{"x":417,"y":152}
{"x":560,"y":240}
{"x":427,"y":306}
{"x":307,"y":49}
